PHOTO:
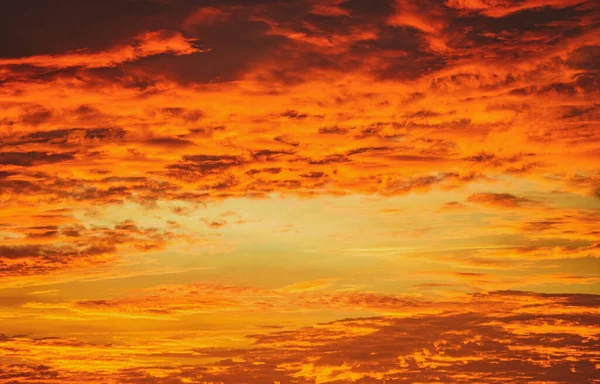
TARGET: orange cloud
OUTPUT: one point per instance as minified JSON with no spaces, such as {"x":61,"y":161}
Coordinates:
{"x":501,"y":200}
{"x":494,"y":8}
{"x":145,"y":45}
{"x":330,"y":8}
{"x":532,"y":336}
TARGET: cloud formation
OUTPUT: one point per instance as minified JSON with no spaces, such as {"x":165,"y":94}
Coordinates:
{"x":299,"y":191}
{"x":535,"y":337}
{"x":147,"y":44}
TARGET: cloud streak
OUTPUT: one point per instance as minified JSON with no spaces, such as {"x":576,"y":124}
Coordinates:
{"x":145,"y":45}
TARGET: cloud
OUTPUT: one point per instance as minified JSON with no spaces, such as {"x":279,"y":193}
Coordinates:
{"x":544,"y":337}
{"x":331,"y":8}
{"x":146,"y":44}
{"x":506,"y":200}
{"x":206,"y":16}
{"x":498,"y":9}
{"x":392,"y":161}
{"x":67,"y":248}
{"x":28,"y":159}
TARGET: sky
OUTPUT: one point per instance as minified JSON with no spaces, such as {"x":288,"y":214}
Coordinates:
{"x":302,"y":191}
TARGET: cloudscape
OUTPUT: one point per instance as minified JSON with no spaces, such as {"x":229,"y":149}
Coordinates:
{"x":302,"y":191}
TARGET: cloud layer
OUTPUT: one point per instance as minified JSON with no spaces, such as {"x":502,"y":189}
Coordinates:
{"x":301,"y":191}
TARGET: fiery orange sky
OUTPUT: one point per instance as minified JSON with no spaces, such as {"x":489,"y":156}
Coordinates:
{"x":302,"y":191}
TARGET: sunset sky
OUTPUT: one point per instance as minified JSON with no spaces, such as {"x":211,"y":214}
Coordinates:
{"x":302,"y":191}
